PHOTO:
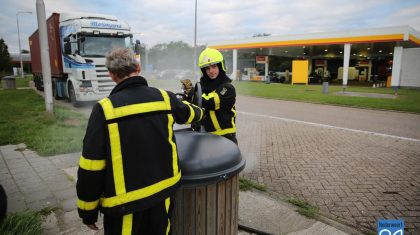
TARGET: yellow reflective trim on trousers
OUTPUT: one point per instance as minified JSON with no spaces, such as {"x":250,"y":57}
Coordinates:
{"x":214,"y":120}
{"x":116,"y":156}
{"x":87,"y":206}
{"x":216,"y":101}
{"x":140,"y":193}
{"x":91,"y":165}
{"x":127,"y":224}
{"x":192,"y":114}
{"x":167,"y":204}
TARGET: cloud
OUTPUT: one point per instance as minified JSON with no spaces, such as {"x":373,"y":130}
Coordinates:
{"x":172,"y":20}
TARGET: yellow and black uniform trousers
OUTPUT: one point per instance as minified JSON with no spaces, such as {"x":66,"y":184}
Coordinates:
{"x":129,"y":165}
{"x":220,"y":112}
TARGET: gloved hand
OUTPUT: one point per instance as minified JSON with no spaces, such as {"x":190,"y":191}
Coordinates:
{"x":188,"y":89}
{"x":186,"y":85}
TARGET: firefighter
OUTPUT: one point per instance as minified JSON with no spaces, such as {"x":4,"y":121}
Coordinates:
{"x":219,"y":95}
{"x":129,"y":165}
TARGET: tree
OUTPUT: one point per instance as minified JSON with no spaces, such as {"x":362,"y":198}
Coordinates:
{"x":261,"y":35}
{"x":172,"y":55}
{"x":5,"y":60}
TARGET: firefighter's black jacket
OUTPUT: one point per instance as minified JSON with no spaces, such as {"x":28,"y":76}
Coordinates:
{"x":129,"y":160}
{"x":218,"y":100}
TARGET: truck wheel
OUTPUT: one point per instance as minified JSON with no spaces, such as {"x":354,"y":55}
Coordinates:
{"x":72,"y":96}
{"x":38,"y":83}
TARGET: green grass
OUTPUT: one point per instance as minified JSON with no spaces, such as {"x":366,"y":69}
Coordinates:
{"x":304,"y":208}
{"x":245,"y":185}
{"x":23,"y":120}
{"x":22,"y":223}
{"x":408,"y":100}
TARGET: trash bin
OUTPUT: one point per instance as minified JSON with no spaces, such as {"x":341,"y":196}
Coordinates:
{"x":8,"y":82}
{"x":324,"y":87}
{"x":207,"y":200}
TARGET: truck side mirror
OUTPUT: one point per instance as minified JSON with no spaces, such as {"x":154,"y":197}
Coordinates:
{"x":67,"y":48}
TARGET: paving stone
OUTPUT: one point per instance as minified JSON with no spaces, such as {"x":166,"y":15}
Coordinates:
{"x":46,"y":202}
{"x":69,"y":204}
{"x":35,"y":196}
{"x":352,"y":170}
{"x":65,"y":193}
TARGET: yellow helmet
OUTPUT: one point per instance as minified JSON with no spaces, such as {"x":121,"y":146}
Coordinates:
{"x":209,"y":57}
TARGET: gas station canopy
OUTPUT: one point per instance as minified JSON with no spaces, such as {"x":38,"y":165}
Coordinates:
{"x":385,"y":37}
{"x":364,"y":44}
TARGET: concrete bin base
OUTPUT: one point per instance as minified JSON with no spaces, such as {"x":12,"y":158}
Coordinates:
{"x":8,"y":82}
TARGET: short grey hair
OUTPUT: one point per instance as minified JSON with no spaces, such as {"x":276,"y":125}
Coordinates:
{"x":121,"y":62}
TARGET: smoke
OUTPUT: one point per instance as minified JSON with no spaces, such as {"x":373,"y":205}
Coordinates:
{"x":251,"y":162}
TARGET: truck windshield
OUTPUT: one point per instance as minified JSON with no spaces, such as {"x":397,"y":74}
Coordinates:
{"x":93,"y":46}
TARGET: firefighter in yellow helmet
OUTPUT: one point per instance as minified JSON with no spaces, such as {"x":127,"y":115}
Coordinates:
{"x":219,"y":95}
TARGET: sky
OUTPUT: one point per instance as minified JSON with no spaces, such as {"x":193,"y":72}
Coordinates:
{"x":162,"y":21}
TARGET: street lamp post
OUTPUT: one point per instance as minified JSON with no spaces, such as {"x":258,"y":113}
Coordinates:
{"x":20,"y":49}
{"x":195,"y":42}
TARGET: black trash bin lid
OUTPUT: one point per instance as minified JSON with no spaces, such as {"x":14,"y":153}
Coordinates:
{"x":205,"y":158}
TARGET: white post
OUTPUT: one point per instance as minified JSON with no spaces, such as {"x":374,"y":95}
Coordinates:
{"x":266,"y":69}
{"x":346,"y":62}
{"x":20,"y":48}
{"x":396,"y":67}
{"x":234,"y":65}
{"x":45,"y":55}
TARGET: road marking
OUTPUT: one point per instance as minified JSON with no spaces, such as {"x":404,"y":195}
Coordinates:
{"x":328,"y":126}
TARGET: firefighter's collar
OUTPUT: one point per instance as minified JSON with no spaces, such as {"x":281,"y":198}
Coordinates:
{"x":136,"y":80}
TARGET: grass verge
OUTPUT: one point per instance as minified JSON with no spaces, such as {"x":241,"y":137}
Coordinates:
{"x":407,"y":99}
{"x":245,"y":185}
{"x":23,"y":120}
{"x":26,"y":222}
{"x":304,"y":208}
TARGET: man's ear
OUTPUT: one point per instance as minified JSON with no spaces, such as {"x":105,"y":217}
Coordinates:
{"x":138,"y":68}
{"x":113,"y":77}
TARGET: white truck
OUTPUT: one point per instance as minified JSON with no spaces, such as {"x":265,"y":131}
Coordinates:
{"x":78,"y":43}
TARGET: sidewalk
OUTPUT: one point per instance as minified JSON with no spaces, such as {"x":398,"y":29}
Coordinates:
{"x":34,"y":182}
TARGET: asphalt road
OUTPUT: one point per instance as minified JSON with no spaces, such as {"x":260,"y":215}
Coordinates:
{"x":384,"y":122}
{"x":399,"y":124}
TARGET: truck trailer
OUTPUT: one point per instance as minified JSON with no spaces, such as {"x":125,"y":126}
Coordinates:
{"x":78,"y":43}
